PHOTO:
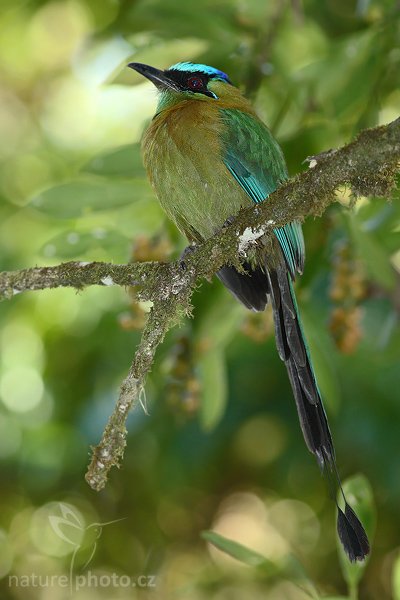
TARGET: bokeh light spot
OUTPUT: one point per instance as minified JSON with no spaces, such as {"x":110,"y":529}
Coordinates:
{"x":20,"y":343}
{"x":55,"y":32}
{"x":260,"y":440}
{"x":21,"y":388}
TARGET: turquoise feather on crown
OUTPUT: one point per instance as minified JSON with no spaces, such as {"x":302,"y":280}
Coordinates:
{"x":199,"y":68}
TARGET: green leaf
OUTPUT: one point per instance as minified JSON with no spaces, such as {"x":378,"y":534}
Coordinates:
{"x":101,"y":59}
{"x":213,"y":380}
{"x":374,"y":256}
{"x":71,"y":244}
{"x":152,"y":50}
{"x":219,"y":321}
{"x":125,"y":161}
{"x":240,"y":552}
{"x":359,"y":495}
{"x":321,"y":350}
{"x":163,"y":53}
{"x":347,"y":65}
{"x":375,"y":213}
{"x":81,"y":197}
{"x":288,"y":567}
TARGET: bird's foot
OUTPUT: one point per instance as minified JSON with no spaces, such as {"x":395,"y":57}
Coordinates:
{"x":187,"y":252}
{"x":228,"y":222}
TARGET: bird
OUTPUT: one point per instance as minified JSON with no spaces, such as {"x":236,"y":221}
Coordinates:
{"x":207,"y":156}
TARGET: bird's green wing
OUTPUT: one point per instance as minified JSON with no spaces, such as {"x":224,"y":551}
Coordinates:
{"x":256,"y":161}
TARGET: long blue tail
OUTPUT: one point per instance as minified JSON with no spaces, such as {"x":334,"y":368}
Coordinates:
{"x":253,"y":289}
{"x":293,"y":350}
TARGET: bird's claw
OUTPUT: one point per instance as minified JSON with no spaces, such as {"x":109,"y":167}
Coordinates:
{"x":187,"y":252}
{"x":228,"y":222}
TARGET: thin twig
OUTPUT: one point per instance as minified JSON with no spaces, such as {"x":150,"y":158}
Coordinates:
{"x":109,"y":451}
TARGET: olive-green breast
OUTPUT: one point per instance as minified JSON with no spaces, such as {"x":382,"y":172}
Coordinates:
{"x":183,"y":156}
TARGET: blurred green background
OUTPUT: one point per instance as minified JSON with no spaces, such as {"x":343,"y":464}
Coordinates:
{"x":221,"y":449}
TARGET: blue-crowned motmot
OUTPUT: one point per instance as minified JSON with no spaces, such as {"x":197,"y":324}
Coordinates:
{"x":207,"y":155}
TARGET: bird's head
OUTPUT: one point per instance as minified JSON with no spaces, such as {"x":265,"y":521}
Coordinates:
{"x":187,"y":81}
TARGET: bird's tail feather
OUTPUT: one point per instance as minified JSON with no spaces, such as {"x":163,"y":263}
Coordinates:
{"x":250,"y":287}
{"x":293,"y":350}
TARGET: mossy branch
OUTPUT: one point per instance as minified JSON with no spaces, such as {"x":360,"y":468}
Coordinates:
{"x":368,"y":165}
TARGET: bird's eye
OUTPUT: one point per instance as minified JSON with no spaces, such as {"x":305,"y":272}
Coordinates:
{"x":195,"y":83}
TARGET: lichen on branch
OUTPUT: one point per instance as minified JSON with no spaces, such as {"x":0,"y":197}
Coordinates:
{"x":368,"y":165}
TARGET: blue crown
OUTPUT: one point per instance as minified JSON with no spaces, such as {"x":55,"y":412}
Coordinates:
{"x":198,"y":68}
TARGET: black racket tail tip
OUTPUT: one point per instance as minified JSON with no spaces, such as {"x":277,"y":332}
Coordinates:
{"x":352,"y":534}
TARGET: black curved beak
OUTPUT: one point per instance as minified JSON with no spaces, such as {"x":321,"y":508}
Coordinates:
{"x":156,"y":76}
